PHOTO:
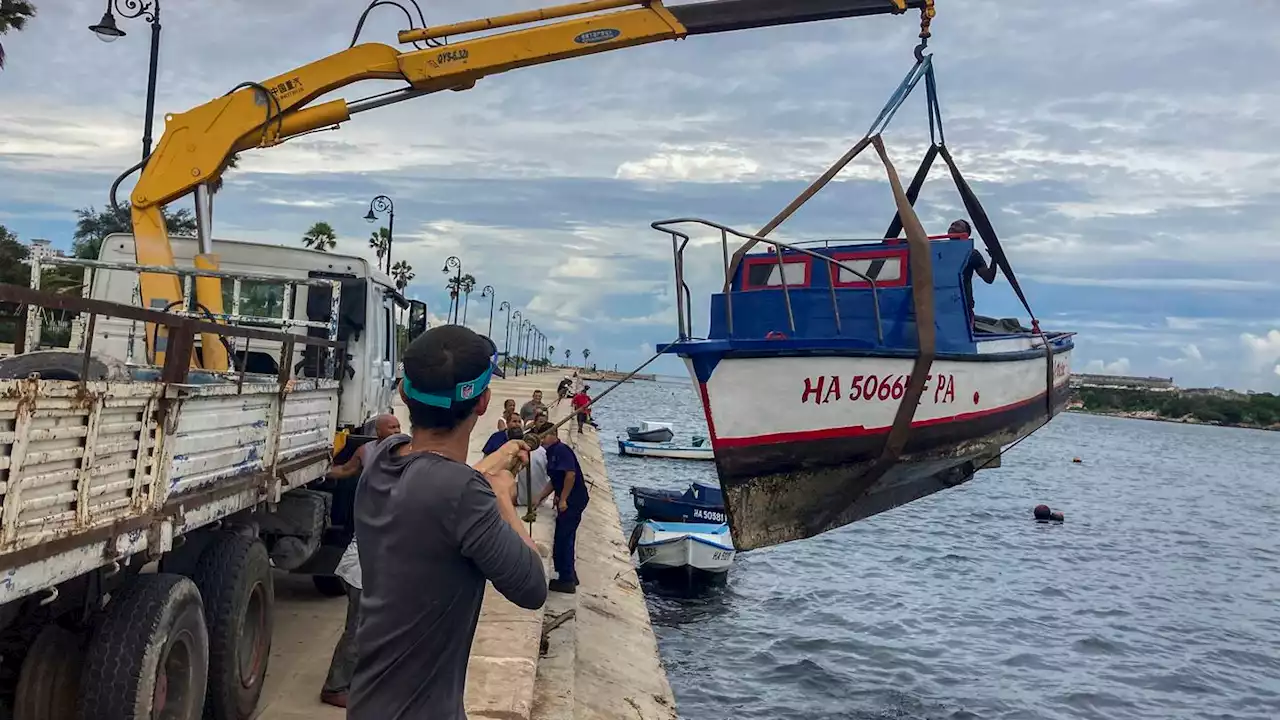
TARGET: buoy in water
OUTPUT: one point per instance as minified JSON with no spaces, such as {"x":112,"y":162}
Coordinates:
{"x":1076,"y":460}
{"x":1044,"y":514}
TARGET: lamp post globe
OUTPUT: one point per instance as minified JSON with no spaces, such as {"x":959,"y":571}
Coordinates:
{"x":107,"y":30}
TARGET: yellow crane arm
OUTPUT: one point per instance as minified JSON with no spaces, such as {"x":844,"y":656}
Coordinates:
{"x":197,"y":144}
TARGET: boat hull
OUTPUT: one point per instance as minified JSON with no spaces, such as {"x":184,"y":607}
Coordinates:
{"x":657,"y":435}
{"x":696,"y":546}
{"x":797,"y":469}
{"x":675,"y":506}
{"x":664,"y":450}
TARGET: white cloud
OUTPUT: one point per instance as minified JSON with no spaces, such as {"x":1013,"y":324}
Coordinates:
{"x":1190,"y":283}
{"x":1119,"y":367}
{"x":1262,"y":350}
{"x":712,"y":163}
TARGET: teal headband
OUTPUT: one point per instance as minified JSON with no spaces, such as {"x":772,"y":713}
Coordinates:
{"x":463,"y":392}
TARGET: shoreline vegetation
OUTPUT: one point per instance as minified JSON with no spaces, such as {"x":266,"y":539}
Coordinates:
{"x":1257,"y":411}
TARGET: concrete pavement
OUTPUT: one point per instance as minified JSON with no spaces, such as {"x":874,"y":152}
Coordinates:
{"x":602,"y":663}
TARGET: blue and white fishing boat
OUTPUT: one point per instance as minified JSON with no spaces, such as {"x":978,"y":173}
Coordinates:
{"x":699,"y":502}
{"x":842,"y":378}
{"x":693,"y":547}
{"x":697,"y":449}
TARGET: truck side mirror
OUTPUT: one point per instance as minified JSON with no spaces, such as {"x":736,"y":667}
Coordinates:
{"x":417,"y":319}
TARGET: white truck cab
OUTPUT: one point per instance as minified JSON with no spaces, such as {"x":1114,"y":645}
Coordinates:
{"x":366,"y":317}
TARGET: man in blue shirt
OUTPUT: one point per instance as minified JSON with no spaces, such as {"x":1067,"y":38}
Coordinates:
{"x":571,"y":501}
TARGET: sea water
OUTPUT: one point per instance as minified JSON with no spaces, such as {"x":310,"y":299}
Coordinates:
{"x":1159,"y":597}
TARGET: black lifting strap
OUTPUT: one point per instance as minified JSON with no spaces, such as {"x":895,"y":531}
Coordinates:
{"x":913,"y":190}
{"x":982,"y":224}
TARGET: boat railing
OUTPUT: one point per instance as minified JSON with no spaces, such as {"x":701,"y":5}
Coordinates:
{"x":684,"y":311}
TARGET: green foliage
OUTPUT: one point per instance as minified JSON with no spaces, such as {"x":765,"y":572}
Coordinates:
{"x":14,"y":15}
{"x":1259,"y":409}
{"x":320,"y":236}
{"x":402,"y":272}
{"x":380,"y":242}
{"x":93,"y":226}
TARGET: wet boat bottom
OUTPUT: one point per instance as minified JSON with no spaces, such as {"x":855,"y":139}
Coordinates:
{"x":773,"y":508}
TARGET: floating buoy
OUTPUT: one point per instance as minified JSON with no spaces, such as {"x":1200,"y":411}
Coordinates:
{"x":1043,"y":514}
{"x":1076,"y":460}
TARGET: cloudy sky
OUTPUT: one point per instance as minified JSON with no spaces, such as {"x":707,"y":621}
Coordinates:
{"x":1126,"y":152}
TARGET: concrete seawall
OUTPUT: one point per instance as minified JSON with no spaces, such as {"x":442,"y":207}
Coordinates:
{"x":601,"y":660}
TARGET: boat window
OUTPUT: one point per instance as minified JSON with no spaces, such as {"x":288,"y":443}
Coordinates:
{"x":763,"y":272}
{"x":888,"y":269}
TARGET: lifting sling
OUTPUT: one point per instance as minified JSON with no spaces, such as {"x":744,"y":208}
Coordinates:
{"x":920,"y":266}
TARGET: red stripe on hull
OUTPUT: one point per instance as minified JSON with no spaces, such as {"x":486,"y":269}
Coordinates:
{"x":851,"y":431}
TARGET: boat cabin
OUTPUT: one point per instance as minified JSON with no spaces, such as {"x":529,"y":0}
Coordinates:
{"x":799,"y":296}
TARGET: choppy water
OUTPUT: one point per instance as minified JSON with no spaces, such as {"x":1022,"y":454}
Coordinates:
{"x":1158,"y":598}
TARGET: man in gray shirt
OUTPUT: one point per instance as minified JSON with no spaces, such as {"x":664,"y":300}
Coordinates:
{"x":432,"y":530}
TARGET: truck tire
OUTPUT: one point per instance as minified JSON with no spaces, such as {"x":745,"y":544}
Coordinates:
{"x":50,"y":677}
{"x":329,"y":585}
{"x":62,"y":365}
{"x":234,"y":577}
{"x":148,"y":654}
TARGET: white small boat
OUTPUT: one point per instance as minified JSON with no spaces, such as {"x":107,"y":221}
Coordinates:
{"x":704,"y":547}
{"x":700,"y":449}
{"x":652,"y":432}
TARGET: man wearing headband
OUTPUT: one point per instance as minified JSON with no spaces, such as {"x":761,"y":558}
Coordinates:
{"x":432,"y":530}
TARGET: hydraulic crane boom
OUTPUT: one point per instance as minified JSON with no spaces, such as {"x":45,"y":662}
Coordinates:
{"x":197,"y":144}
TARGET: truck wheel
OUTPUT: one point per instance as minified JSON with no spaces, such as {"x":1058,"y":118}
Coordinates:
{"x":329,"y":585}
{"x":148,"y":656}
{"x":50,"y":677}
{"x":234,"y":577}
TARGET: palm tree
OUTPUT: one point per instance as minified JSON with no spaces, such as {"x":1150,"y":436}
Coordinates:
{"x":468,"y":284}
{"x":380,"y":241}
{"x":567,"y":354}
{"x":585,"y":354}
{"x":320,"y":237}
{"x":551,"y":350}
{"x":403,"y":273}
{"x":14,"y":15}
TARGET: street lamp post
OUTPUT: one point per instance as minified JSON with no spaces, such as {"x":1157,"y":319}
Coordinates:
{"x":107,"y":31}
{"x":519,"y":326}
{"x":506,"y":343}
{"x":454,"y":262}
{"x":488,"y":292}
{"x":383,"y":204}
{"x":528,"y":331}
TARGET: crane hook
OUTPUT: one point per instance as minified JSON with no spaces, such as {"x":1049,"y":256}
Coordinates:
{"x":927,"y":12}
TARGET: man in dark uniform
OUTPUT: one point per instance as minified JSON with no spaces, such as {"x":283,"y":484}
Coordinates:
{"x":975,"y":264}
{"x":565,"y":474}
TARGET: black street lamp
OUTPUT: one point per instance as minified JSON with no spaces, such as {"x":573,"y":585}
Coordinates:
{"x":488,"y":292}
{"x":519,"y":327}
{"x":506,"y":343}
{"x":383,"y":204}
{"x":528,"y":341}
{"x":108,"y":31}
{"x":456,"y":289}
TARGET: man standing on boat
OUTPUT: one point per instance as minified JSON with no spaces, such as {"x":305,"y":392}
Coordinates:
{"x":570,"y":489}
{"x":975,"y":264}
